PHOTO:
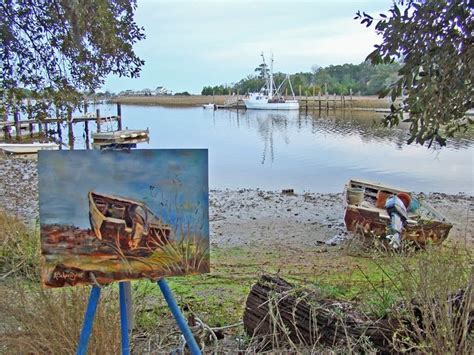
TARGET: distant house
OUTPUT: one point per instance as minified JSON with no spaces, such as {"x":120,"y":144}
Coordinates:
{"x":160,"y":90}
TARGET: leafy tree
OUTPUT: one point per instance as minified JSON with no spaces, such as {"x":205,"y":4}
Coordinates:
{"x":433,"y":39}
{"x":262,"y":71}
{"x":58,"y":48}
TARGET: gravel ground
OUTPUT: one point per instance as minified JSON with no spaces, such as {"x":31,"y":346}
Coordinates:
{"x":246,"y":217}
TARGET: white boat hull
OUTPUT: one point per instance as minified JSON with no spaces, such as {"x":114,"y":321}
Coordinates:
{"x":262,"y":105}
{"x":25,"y":148}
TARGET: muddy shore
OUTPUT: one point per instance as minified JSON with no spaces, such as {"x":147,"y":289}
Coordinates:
{"x":247,"y":217}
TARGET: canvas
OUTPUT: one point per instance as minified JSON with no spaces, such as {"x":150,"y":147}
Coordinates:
{"x":123,"y":215}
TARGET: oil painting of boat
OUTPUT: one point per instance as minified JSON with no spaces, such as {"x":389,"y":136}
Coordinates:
{"x":134,"y":214}
{"x":368,"y":211}
{"x":270,"y":97}
{"x":129,"y":224}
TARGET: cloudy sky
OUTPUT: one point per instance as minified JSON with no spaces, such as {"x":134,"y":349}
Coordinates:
{"x":191,"y":44}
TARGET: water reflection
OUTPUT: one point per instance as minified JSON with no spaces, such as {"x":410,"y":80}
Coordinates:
{"x":315,"y":151}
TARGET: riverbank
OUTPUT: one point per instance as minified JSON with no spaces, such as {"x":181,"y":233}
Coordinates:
{"x":246,"y":217}
{"x":252,"y":232}
{"x":358,"y":102}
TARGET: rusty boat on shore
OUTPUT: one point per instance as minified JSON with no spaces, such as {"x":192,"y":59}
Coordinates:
{"x":365,"y":214}
{"x":128,"y":225}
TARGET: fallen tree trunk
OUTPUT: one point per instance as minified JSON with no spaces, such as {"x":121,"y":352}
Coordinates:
{"x":278,"y":314}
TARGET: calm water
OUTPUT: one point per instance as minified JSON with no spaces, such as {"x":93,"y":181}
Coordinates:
{"x":307,"y":152}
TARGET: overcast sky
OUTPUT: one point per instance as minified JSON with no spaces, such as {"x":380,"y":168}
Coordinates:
{"x":191,"y":44}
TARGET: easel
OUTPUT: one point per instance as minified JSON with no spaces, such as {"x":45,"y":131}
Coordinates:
{"x":125,"y":303}
{"x":92,"y":307}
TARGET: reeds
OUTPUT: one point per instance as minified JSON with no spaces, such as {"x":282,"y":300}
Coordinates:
{"x":37,"y":320}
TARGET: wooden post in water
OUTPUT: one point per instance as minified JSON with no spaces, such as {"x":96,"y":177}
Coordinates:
{"x":327,"y":96}
{"x":70,"y":129}
{"x":97,"y":118}
{"x":86,"y":130}
{"x":299,"y":88}
{"x":237,"y":102}
{"x":119,"y":116}
{"x":16,"y":118}
{"x":306,"y":103}
{"x":319,"y":96}
{"x":350,"y":93}
{"x":60,"y":135}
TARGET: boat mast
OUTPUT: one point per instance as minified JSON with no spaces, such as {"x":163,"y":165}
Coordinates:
{"x":270,"y":93}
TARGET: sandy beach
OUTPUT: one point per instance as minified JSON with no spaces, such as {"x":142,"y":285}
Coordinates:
{"x":248,"y":217}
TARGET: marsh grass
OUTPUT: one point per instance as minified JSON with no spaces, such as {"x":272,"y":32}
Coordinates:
{"x":19,"y":248}
{"x":434,"y":292}
{"x":37,"y":320}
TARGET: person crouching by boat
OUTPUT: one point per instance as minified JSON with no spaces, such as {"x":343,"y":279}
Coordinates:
{"x":396,"y":207}
{"x":138,"y":226}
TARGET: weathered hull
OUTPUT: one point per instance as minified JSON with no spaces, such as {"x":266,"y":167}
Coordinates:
{"x":371,"y":225}
{"x":113,"y":222}
{"x":370,"y":221}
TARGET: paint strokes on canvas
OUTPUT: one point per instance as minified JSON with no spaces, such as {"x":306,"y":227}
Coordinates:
{"x":123,"y":215}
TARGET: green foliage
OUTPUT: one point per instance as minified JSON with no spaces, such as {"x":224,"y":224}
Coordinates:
{"x":58,"y":48}
{"x":364,"y":79}
{"x":434,"y":41}
{"x":262,"y":71}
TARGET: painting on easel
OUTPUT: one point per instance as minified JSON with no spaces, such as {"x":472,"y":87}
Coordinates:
{"x":123,"y":215}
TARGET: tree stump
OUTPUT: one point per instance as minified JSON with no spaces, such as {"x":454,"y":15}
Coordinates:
{"x":278,"y":314}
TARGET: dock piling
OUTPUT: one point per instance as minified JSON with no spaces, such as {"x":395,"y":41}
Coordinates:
{"x":119,"y":116}
{"x":97,"y":113}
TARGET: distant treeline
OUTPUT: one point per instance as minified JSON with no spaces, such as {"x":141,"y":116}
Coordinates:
{"x":363,"y":79}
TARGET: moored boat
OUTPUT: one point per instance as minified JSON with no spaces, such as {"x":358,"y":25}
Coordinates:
{"x":270,"y":97}
{"x":365,"y":213}
{"x":119,"y":136}
{"x":209,"y":106}
{"x":27,"y":148}
{"x":128,"y":224}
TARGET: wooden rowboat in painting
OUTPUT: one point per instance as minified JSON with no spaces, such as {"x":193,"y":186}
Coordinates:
{"x":126,"y":224}
{"x":365,"y":213}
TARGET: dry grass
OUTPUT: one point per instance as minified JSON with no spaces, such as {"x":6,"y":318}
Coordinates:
{"x":171,"y":101}
{"x":435,"y":312}
{"x":48,"y":321}
{"x":36,"y":320}
{"x":19,"y":249}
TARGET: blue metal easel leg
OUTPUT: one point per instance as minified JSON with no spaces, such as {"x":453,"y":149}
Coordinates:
{"x":88,"y":321}
{"x":124,"y":320}
{"x":182,"y":324}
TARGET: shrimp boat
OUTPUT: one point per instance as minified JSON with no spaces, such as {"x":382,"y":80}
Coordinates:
{"x":127,"y":224}
{"x":367,"y":214}
{"x":270,"y":96}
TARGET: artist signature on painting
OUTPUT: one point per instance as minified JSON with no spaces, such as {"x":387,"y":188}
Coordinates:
{"x":61,"y":275}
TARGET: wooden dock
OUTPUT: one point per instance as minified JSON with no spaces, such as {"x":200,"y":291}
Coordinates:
{"x":53,"y":125}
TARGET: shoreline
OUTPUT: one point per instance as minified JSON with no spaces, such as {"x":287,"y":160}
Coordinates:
{"x":358,"y":102}
{"x":247,"y":217}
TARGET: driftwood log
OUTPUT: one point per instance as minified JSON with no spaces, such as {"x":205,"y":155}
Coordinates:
{"x":277,"y":313}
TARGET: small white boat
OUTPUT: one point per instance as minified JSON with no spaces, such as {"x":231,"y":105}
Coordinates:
{"x":27,"y":148}
{"x":209,"y":106}
{"x":270,"y":97}
{"x":119,"y":136}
